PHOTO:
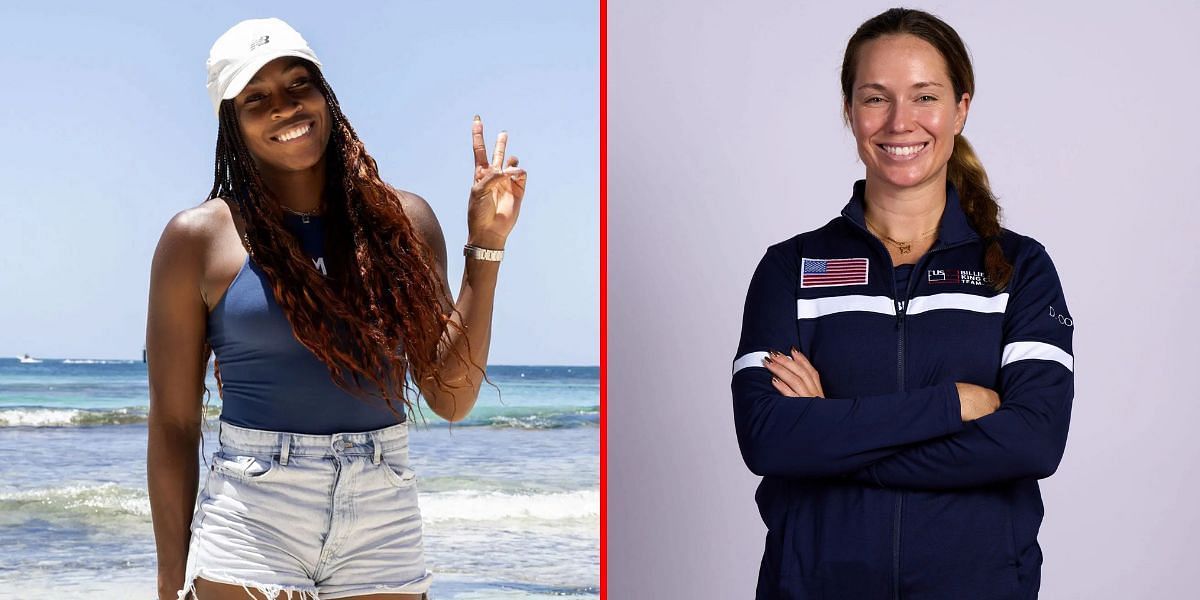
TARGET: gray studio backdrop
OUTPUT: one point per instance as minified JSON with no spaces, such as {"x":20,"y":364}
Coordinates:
{"x":725,"y":136}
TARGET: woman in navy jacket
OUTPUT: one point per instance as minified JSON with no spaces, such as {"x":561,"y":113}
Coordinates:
{"x":904,"y":375}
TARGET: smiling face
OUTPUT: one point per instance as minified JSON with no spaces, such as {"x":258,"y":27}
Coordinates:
{"x":283,"y":117}
{"x":903,"y":112}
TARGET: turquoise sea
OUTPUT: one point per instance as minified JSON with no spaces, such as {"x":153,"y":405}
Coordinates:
{"x":510,"y":497}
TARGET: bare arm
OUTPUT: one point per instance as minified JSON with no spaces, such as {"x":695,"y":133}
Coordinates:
{"x":175,"y":328}
{"x":472,"y":315}
{"x":494,"y":204}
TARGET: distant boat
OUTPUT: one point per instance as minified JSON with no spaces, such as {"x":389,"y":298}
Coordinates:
{"x":27,"y":359}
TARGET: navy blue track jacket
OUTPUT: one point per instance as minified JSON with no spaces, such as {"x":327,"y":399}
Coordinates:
{"x":879,"y":490}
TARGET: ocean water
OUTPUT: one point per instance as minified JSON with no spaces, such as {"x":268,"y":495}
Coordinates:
{"x":510,"y":497}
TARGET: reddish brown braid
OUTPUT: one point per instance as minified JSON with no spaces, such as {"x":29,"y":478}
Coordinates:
{"x":377,"y":317}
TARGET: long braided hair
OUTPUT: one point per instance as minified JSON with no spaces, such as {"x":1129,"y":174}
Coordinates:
{"x":965,"y":170}
{"x":378,"y":315}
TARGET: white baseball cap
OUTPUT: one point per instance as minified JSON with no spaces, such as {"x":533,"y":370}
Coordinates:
{"x":240,"y":52}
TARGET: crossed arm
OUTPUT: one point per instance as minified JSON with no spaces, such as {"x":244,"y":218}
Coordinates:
{"x":786,"y":427}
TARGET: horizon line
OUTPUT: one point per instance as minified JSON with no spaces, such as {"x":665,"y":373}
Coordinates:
{"x":136,"y":360}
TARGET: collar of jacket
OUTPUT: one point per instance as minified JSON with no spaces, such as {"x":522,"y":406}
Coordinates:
{"x":954,"y":227}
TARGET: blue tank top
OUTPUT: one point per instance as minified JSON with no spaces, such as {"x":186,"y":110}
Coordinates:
{"x":269,"y":379}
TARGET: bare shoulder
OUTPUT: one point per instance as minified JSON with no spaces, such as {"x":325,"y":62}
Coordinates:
{"x":191,"y":232}
{"x":199,"y":221}
{"x":418,"y":210}
{"x":423,"y":220}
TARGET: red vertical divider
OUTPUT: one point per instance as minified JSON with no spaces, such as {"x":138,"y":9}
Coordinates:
{"x":603,"y":297}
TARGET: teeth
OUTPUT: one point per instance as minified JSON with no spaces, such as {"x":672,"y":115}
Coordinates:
{"x":288,"y":136}
{"x":903,"y":150}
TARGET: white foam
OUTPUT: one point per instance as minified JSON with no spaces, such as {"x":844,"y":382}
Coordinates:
{"x":38,"y":417}
{"x":105,"y":498}
{"x":464,"y":505}
{"x":437,"y":507}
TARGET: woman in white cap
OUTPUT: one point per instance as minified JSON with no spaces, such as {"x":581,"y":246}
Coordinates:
{"x":322,"y":292}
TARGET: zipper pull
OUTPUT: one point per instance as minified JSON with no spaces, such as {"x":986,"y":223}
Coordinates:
{"x":899,"y":313}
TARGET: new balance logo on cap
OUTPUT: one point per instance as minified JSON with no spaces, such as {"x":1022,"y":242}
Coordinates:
{"x":259,"y":42}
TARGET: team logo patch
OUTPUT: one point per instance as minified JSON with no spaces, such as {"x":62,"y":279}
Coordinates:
{"x":828,"y":272}
{"x":958,"y":276}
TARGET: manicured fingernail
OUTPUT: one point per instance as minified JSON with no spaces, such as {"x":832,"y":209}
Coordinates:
{"x":767,"y":360}
{"x":795,"y":351}
{"x":476,"y":117}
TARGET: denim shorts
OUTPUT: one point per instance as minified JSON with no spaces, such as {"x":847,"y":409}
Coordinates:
{"x":321,"y":516}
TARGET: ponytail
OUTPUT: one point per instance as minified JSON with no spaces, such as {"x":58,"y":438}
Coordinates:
{"x":966,"y":172}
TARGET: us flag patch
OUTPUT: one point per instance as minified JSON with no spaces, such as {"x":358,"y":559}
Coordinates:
{"x":827,"y":272}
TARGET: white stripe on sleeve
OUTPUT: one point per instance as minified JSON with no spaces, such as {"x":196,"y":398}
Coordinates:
{"x":1036,"y":351}
{"x":751,"y":359}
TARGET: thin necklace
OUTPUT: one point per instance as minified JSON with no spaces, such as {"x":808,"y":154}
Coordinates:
{"x":304,"y":215}
{"x":904,"y":247}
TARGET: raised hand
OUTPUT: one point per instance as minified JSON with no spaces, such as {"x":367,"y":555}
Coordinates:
{"x":496,"y":192}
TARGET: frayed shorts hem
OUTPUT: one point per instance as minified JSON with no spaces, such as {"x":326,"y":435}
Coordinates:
{"x":269,"y":590}
{"x":416,"y":586}
{"x":419,"y":586}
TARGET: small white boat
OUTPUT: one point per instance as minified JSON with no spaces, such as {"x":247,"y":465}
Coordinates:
{"x":28,"y":360}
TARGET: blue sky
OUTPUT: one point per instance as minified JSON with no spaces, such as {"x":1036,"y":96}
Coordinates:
{"x":108,"y":133}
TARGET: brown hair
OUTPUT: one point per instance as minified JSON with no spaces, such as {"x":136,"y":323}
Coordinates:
{"x":965,"y":170}
{"x":378,"y":315}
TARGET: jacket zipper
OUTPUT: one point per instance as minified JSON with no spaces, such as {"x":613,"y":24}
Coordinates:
{"x":901,"y":307}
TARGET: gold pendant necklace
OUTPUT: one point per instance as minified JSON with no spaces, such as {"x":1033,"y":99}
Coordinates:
{"x":903,"y":247}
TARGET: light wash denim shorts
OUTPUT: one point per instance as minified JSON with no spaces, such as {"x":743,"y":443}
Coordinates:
{"x":318,"y":516}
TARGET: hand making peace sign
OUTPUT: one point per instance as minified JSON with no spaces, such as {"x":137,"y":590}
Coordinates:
{"x":495,"y":194}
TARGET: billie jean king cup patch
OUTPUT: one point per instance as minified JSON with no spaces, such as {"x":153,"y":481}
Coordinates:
{"x":958,"y":276}
{"x":829,"y":272}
